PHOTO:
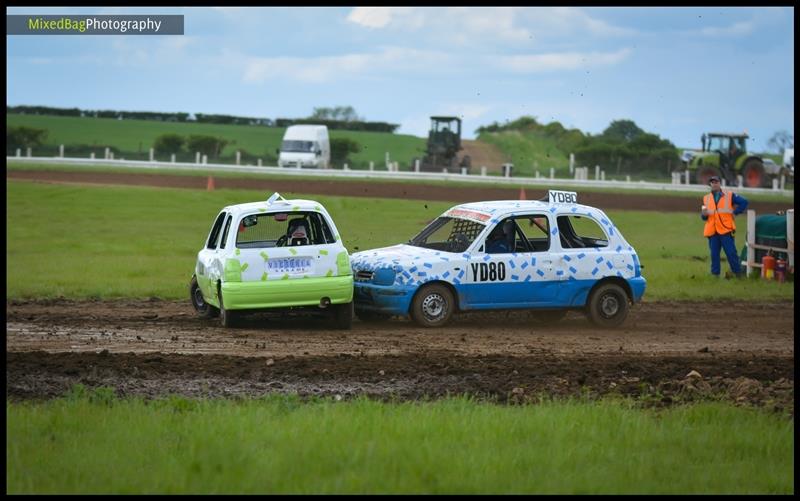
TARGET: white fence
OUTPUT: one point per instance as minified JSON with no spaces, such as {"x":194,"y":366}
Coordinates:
{"x":581,"y":174}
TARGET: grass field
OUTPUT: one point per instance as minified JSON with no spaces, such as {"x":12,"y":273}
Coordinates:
{"x":84,"y":444}
{"x":137,"y":136}
{"x":110,"y":241}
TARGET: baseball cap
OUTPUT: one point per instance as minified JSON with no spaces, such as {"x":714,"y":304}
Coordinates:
{"x":713,"y":178}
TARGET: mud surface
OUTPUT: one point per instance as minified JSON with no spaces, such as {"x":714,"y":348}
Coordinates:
{"x":456,"y":194}
{"x":742,"y":352}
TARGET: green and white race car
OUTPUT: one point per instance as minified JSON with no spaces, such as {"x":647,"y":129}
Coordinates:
{"x":276,"y":255}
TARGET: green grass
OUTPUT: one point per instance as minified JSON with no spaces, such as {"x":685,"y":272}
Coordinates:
{"x":137,"y":136}
{"x":113,"y":241}
{"x":91,"y":442}
{"x":529,"y":152}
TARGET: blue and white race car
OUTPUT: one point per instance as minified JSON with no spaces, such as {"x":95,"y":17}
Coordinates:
{"x":551,"y":256}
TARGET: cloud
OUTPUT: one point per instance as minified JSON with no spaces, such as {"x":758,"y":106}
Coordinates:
{"x":559,"y":21}
{"x":376,"y":17}
{"x":328,"y":68}
{"x":455,"y":24}
{"x":558,"y":61}
{"x":736,"y":29}
{"x":462,"y":25}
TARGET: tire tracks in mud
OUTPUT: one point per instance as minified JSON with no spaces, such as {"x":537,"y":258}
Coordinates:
{"x":152,"y":348}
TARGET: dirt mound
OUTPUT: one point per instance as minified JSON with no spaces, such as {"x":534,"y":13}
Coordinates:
{"x":483,"y":154}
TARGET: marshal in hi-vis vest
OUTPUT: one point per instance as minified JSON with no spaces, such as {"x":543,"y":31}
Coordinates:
{"x":720,"y":216}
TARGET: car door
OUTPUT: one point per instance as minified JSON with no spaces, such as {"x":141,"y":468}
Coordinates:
{"x":207,"y":269}
{"x":514,"y":277}
{"x":585,"y":256}
{"x":539,"y":265}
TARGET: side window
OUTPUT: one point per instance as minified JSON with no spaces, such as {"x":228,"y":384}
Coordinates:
{"x":225,"y":233}
{"x":536,"y":229}
{"x":506,"y":238}
{"x":211,"y":243}
{"x":321,"y":230}
{"x":580,"y":231}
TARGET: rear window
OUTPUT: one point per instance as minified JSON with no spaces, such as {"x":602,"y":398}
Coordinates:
{"x":286,"y":229}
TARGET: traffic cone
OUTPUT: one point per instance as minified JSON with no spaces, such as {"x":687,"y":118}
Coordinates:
{"x":210,"y":184}
{"x":522,"y":194}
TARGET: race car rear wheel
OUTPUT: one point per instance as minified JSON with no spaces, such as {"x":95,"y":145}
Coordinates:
{"x":342,"y":315}
{"x":203,"y":309}
{"x":433,"y":306}
{"x":227,"y":318}
{"x":607,"y":306}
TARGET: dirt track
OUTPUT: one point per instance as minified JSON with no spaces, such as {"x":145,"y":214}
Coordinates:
{"x":456,"y":194}
{"x":155,"y":347}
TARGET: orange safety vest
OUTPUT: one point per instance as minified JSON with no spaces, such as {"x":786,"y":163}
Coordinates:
{"x":720,"y":216}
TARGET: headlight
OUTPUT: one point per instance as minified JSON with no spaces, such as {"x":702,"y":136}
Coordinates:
{"x":384,"y":276}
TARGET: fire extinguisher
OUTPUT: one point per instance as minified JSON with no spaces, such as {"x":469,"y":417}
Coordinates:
{"x":768,"y":267}
{"x":780,"y":270}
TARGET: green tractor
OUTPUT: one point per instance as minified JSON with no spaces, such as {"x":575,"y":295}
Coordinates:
{"x":444,"y":143}
{"x":725,"y":155}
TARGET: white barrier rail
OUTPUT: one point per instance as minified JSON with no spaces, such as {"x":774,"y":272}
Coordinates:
{"x":375,"y":174}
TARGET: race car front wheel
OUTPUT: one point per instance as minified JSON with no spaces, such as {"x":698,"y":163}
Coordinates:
{"x":433,"y":306}
{"x":203,"y":309}
{"x":607,"y":306}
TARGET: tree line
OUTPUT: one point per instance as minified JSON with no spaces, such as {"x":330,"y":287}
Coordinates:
{"x":622,"y":147}
{"x":338,"y":117}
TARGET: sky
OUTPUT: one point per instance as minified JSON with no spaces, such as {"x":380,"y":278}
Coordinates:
{"x":675,"y":71}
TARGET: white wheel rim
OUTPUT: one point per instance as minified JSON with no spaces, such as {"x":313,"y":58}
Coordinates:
{"x":434,"y":307}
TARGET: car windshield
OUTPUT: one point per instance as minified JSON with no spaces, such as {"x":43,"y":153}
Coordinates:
{"x":292,"y":146}
{"x":448,"y":234}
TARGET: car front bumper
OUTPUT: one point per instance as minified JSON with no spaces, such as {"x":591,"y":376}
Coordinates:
{"x":389,"y":299}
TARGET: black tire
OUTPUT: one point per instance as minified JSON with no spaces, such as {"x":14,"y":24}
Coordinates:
{"x":227,"y":318}
{"x":548,"y":317}
{"x":704,"y":173}
{"x":753,"y":175}
{"x":372,"y":316}
{"x":607,"y":306}
{"x":203,"y":309}
{"x":433,"y":306}
{"x":342,"y":315}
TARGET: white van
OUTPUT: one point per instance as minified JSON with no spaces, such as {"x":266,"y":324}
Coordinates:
{"x":305,"y":146}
